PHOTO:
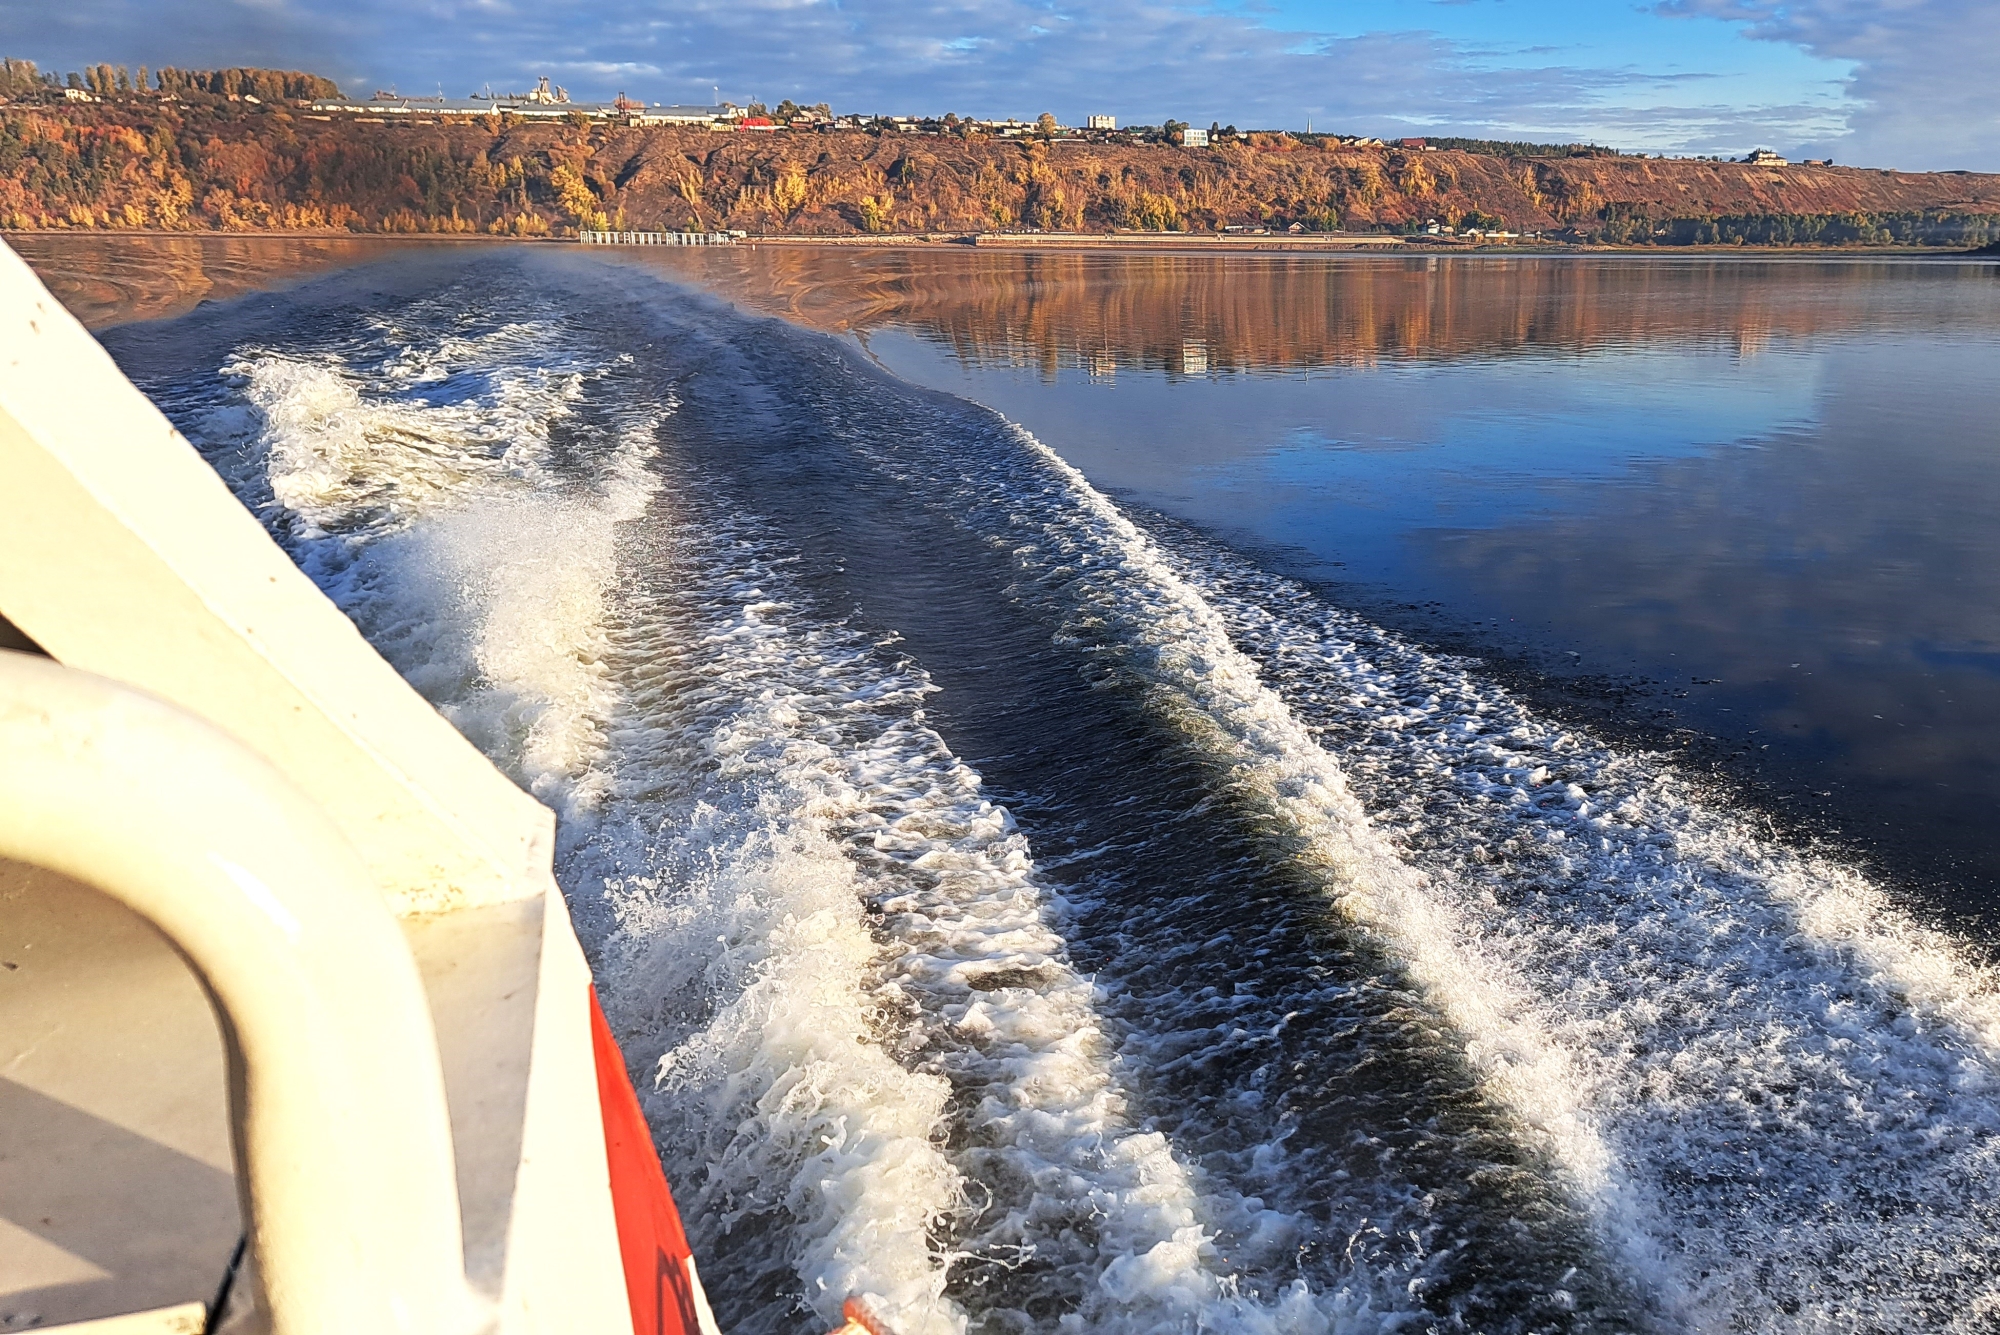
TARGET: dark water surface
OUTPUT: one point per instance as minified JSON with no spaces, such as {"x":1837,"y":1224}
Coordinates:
{"x":1749,"y":508}
{"x":1027,"y":904}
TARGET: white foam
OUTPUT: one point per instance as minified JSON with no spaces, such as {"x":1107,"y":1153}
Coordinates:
{"x":823,"y":772}
{"x":808,"y":885}
{"x":1771,"y":1093}
{"x":1125,"y":597}
{"x":444,"y":531}
{"x":1680,"y":1013}
{"x":743,"y":962}
{"x":1795,"y":1081}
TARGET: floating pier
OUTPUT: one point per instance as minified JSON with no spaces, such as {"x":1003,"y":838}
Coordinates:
{"x":660,"y":238}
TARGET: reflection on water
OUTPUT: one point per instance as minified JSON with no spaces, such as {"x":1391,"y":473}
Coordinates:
{"x":1741,"y":508}
{"x":111,"y":279}
{"x":1196,"y":315}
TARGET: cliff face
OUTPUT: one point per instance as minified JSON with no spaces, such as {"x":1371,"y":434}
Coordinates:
{"x":153,"y":164}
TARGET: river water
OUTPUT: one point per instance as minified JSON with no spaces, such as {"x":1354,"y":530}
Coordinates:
{"x":1043,"y":836}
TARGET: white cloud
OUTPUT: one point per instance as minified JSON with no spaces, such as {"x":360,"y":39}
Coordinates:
{"x":1921,"y":92}
{"x":1918,"y":63}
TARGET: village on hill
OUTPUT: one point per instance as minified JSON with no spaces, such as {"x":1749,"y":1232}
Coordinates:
{"x":252,"y":149}
{"x":317,"y":96}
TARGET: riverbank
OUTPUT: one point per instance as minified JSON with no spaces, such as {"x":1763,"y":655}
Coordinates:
{"x":110,"y":276}
{"x":234,"y":168}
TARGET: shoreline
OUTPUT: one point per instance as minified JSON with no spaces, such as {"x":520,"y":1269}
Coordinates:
{"x":110,"y":276}
{"x":1133,"y":242}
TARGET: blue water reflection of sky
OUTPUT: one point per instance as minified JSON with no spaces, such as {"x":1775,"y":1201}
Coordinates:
{"x":1795,"y":539}
{"x":1475,"y":446}
{"x":1352,"y":465}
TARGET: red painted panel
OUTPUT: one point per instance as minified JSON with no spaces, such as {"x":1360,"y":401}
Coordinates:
{"x":650,"y":1239}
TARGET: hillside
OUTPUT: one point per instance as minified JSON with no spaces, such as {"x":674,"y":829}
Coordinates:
{"x":228,"y":166}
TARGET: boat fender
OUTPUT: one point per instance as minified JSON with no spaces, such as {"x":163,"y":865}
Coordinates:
{"x":862,"y":1319}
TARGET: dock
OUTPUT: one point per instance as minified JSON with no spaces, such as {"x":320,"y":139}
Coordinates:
{"x":659,"y":238}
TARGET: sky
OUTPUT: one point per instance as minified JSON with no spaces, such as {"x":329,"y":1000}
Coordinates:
{"x":1886,"y":83}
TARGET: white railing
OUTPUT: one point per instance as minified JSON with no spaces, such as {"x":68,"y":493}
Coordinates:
{"x":659,"y":238}
{"x":337,"y":1097}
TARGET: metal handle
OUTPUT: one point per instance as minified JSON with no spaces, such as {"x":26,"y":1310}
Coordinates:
{"x":337,"y":1101}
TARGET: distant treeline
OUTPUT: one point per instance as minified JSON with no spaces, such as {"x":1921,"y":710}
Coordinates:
{"x":21,"y":79}
{"x":1624,"y":225}
{"x":1512,"y":148}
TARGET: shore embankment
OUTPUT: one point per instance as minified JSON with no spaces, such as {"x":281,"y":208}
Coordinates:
{"x":168,"y":166}
{"x":109,"y":277}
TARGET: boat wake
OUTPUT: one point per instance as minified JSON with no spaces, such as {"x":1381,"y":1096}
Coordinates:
{"x":1036,"y":915}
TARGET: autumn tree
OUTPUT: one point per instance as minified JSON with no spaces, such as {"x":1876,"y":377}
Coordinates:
{"x":20,"y":78}
{"x":577,"y":199}
{"x":265,"y":85}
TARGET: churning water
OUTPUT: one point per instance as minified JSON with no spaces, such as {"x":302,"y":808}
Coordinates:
{"x":1038,"y":916}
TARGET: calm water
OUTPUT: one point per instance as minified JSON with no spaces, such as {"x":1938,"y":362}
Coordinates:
{"x":1035,"y":880}
{"x":1750,"y":510}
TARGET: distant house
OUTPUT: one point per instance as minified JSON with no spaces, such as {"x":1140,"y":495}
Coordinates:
{"x":1817,"y":162}
{"x":1764,"y":157}
{"x":79,"y":95}
{"x":685,"y":115}
{"x":1193,"y":138}
{"x":1100,"y":122}
{"x":544,"y":105}
{"x":1409,"y":143}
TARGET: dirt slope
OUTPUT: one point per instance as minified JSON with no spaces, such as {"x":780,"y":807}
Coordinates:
{"x":147,"y":164}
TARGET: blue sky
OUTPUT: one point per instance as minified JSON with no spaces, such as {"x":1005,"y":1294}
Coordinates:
{"x":1870,"y":82}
